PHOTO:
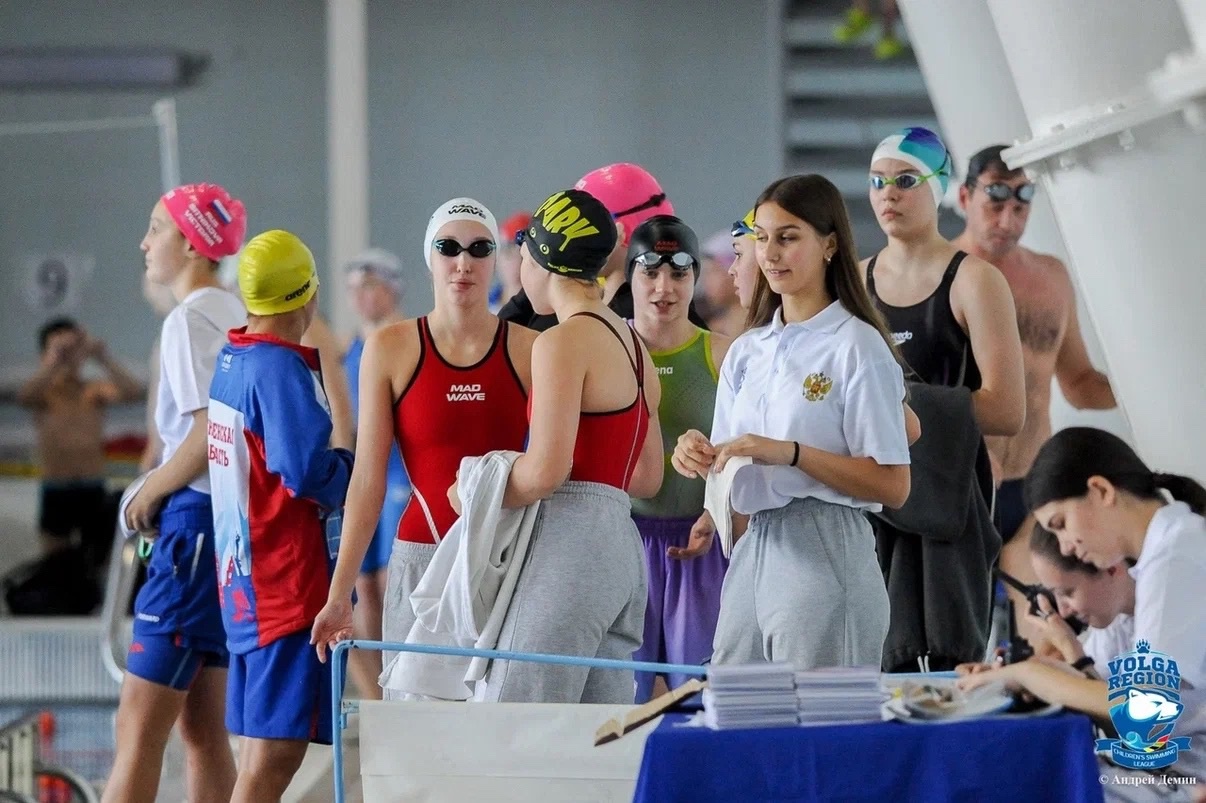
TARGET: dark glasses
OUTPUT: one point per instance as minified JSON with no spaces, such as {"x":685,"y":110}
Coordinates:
{"x":651,"y":260}
{"x":478,"y":249}
{"x":656,"y":200}
{"x":1000,"y":192}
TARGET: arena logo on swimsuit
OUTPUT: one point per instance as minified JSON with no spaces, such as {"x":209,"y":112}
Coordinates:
{"x":559,"y":216}
{"x":466,"y":393}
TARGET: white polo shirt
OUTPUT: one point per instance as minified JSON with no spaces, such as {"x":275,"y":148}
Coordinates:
{"x":193,"y":334}
{"x":830,"y":382}
{"x":1104,"y":644}
{"x":1170,"y":612}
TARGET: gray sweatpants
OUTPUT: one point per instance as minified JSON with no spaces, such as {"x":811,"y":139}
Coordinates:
{"x":407,"y":563}
{"x":804,"y":586}
{"x":582,"y":591}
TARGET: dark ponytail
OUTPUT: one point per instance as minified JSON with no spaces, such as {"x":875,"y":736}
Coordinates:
{"x":1066,"y":462}
{"x":1045,"y":545}
{"x":1183,"y":489}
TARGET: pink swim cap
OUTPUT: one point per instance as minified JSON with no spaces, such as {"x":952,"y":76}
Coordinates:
{"x":211,"y":220}
{"x":629,"y":193}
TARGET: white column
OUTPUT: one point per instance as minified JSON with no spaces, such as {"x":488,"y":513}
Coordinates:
{"x":1194,"y":12}
{"x":347,"y":150}
{"x":1123,"y":170}
{"x":977,"y":105}
{"x":1184,"y":75}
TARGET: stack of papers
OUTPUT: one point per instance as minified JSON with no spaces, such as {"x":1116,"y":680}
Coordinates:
{"x":750,"y":696}
{"x":777,"y":695}
{"x":844,"y":694}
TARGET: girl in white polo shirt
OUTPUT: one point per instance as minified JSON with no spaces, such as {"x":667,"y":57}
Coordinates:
{"x":813,"y":394}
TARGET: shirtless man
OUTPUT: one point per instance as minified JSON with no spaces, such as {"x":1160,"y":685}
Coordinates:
{"x":996,"y":201}
{"x":69,"y":414}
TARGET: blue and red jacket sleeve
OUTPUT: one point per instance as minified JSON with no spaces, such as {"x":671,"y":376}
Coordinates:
{"x":296,"y":431}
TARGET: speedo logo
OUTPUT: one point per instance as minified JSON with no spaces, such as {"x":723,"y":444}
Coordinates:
{"x":901,"y":337}
{"x":463,"y":393}
{"x":299,"y":291}
{"x":558,"y":215}
{"x":466,"y":209}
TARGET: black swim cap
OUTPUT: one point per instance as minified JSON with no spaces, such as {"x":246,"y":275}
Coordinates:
{"x":571,"y":234}
{"x":986,"y":161}
{"x":664,"y":235}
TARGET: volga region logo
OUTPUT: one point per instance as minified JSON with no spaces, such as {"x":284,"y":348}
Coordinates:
{"x":1145,"y":698}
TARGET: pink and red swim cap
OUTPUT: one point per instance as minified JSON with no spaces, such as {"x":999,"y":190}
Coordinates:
{"x":629,"y":192}
{"x":211,"y":220}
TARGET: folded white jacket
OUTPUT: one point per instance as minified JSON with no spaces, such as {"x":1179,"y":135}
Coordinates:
{"x":464,"y":595}
{"x":718,"y":490}
{"x":128,"y":496}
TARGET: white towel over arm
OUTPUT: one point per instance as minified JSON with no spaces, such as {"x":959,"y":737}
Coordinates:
{"x":463,"y":597}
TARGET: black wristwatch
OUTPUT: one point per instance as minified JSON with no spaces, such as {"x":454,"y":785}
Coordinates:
{"x":1082,"y":663}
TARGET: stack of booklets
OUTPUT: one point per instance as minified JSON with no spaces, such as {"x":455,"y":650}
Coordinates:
{"x":777,"y":695}
{"x":751,"y":696}
{"x":844,"y":694}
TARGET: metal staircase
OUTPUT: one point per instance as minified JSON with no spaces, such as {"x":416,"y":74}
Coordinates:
{"x":839,"y":102}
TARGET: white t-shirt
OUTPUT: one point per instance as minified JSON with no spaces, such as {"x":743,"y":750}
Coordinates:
{"x":830,"y":382}
{"x":1104,"y":644}
{"x":193,"y":334}
{"x":1170,"y":612}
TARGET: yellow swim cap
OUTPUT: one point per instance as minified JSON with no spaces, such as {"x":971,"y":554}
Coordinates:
{"x":276,"y":273}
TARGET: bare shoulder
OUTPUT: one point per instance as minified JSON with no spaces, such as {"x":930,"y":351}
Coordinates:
{"x":558,"y":344}
{"x":979,"y":276}
{"x":521,"y":338}
{"x":720,"y":348}
{"x":1051,"y":268}
{"x":400,"y":337}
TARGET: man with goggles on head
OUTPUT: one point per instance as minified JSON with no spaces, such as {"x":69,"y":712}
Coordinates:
{"x":996,"y":202}
{"x":632,"y":196}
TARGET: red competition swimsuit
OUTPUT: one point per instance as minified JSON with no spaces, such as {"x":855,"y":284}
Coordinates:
{"x":609,"y":444}
{"x":447,"y":413}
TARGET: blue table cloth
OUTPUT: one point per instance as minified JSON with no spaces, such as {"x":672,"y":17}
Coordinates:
{"x":1004,"y":759}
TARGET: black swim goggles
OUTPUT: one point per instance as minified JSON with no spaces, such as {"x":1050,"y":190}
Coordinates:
{"x":478,"y":249}
{"x":999,"y":192}
{"x":652,"y":260}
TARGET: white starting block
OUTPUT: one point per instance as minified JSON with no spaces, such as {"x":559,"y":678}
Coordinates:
{"x":501,"y":752}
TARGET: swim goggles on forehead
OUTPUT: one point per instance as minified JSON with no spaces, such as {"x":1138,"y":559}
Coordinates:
{"x":999,"y":192}
{"x":741,"y":230}
{"x":656,"y":200}
{"x":478,"y":249}
{"x":651,"y":260}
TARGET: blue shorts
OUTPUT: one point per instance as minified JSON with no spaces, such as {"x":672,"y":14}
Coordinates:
{"x":180,"y":597}
{"x":377,"y":557}
{"x":280,"y":691}
{"x":171,"y":661}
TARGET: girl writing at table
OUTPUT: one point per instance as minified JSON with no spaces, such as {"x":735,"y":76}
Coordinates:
{"x":1104,"y":505}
